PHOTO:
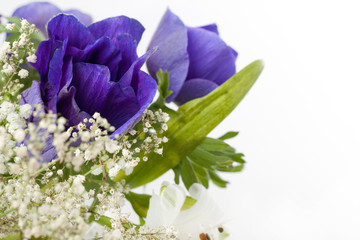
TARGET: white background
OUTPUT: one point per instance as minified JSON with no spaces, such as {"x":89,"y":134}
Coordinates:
{"x":299,"y":124}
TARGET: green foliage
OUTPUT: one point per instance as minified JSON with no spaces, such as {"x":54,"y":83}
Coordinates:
{"x":163,"y":83}
{"x":193,"y":121}
{"x":139,"y":202}
{"x":164,"y":92}
{"x":208,"y":158}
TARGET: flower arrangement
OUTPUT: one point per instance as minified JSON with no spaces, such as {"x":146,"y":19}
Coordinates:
{"x":82,"y":125}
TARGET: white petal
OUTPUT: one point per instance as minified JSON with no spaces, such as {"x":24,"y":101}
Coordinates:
{"x":204,"y":216}
{"x":164,"y":209}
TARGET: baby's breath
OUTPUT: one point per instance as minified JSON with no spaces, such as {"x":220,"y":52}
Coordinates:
{"x":81,"y":184}
{"x":13,"y":56}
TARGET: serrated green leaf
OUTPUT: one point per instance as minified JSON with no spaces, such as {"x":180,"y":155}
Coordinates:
{"x":200,"y":156}
{"x":188,"y":174}
{"x":237,"y":168}
{"x":202,"y":174}
{"x":217,"y":179}
{"x":193,"y":122}
{"x":213,"y":144}
{"x":139,"y":202}
{"x":238,"y":158}
{"x":228,"y":135}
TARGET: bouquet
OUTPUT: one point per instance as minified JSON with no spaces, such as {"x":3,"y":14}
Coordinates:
{"x":82,"y":125}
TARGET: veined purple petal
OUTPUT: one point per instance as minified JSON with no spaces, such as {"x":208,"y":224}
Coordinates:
{"x":92,"y":82}
{"x":68,"y":107}
{"x":83,"y":17}
{"x":172,"y":56}
{"x":38,"y":13}
{"x":127,"y":46}
{"x":146,"y":89}
{"x":99,"y":52}
{"x":67,"y":72}
{"x":65,"y":26}
{"x":194,"y":88}
{"x":120,"y":105}
{"x":128,"y":77}
{"x":52,"y":85}
{"x":210,"y":57}
{"x":212,"y":28}
{"x":104,"y":52}
{"x":44,"y":54}
{"x":112,"y":27}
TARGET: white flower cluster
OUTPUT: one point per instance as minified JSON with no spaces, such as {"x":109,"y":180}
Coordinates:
{"x":81,"y":185}
{"x":13,"y":56}
{"x":13,"y":117}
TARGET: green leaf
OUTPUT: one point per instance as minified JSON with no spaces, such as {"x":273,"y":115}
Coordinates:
{"x":213,"y":144}
{"x":139,"y":202}
{"x":163,"y":83}
{"x":229,"y":135}
{"x":217,"y":180}
{"x":202,"y":174}
{"x":103,"y":220}
{"x":193,"y":122}
{"x":14,"y":20}
{"x":201,"y":156}
{"x":188,"y":174}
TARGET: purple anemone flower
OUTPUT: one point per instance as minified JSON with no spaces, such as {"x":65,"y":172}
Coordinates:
{"x":197,"y":59}
{"x":84,"y":70}
{"x":39,"y":13}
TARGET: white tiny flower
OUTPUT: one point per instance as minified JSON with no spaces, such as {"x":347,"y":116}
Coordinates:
{"x":32,"y":58}
{"x":25,"y":111}
{"x":24,"y":23}
{"x":159,"y":151}
{"x":52,"y":128}
{"x":85,"y":136}
{"x":15,"y":169}
{"x":111,"y":146}
{"x":79,"y":179}
{"x":33,"y":165}
{"x":10,"y":26}
{"x":21,"y":151}
{"x":114,"y":171}
{"x":78,"y":189}
{"x":23,"y":73}
{"x":13,"y":118}
{"x":7,"y":107}
{"x":60,"y":172}
{"x":7,"y":69}
{"x":19,"y":135}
